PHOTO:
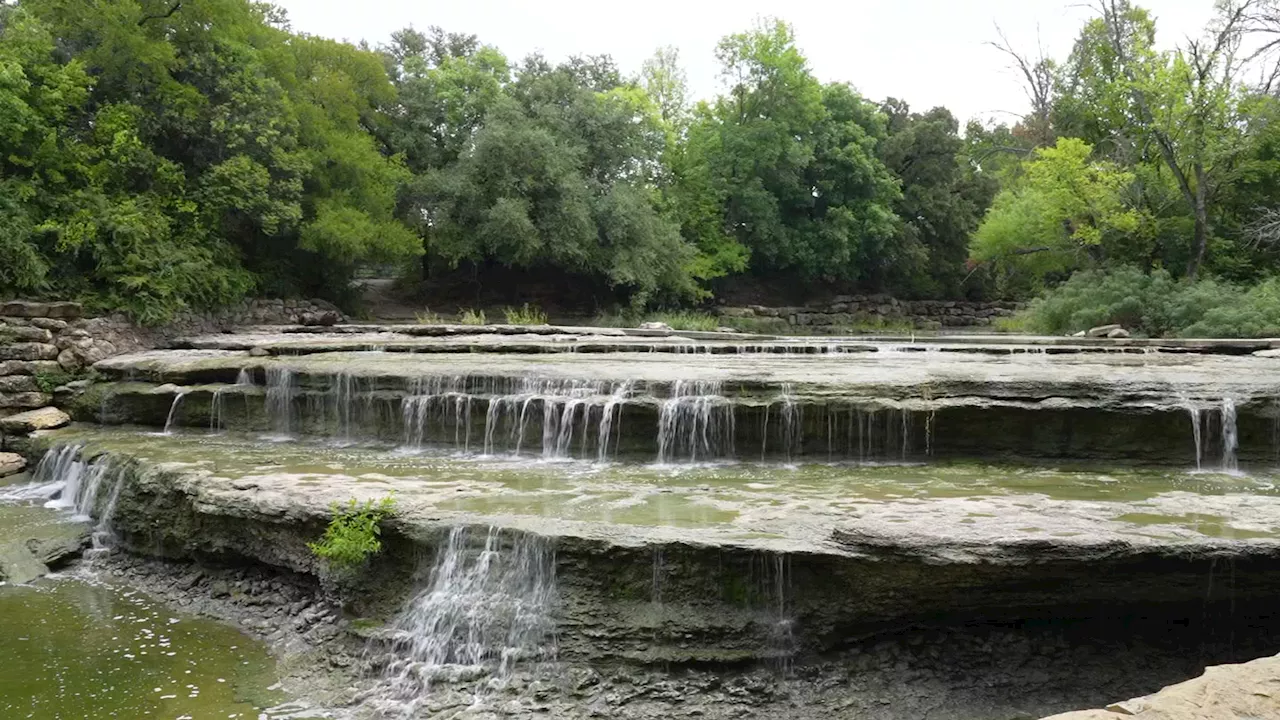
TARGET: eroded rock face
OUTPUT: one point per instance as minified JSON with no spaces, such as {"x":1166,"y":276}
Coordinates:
{"x":1224,"y":692}
{"x":28,"y":422}
{"x":31,"y":309}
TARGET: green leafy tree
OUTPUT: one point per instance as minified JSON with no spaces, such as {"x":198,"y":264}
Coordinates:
{"x":1065,"y":212}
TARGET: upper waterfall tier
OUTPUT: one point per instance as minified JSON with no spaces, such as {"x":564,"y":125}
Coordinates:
{"x":890,"y":404}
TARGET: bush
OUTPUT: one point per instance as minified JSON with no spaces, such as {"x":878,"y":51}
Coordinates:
{"x":354,"y":533}
{"x":527,"y":315}
{"x":1155,"y":305}
{"x":686,"y":320}
{"x":467,"y":316}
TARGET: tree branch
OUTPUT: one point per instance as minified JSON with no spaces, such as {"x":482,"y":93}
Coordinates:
{"x":164,"y":16}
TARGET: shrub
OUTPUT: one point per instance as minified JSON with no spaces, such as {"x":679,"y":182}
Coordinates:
{"x":527,"y":315}
{"x":1156,"y":305}
{"x":686,"y":320}
{"x":467,"y":316}
{"x":354,"y":533}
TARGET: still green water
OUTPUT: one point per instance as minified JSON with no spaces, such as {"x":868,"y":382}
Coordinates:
{"x":77,"y":650}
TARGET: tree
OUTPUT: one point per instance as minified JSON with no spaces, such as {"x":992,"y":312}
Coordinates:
{"x":667,"y":84}
{"x":1066,"y":212}
{"x":1185,"y":102}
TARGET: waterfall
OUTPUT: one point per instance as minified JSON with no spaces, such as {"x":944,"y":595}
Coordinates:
{"x":50,"y":477}
{"x":173,"y":411}
{"x":1230,"y":437}
{"x":485,"y":607}
{"x":575,"y":414}
{"x":280,"y":395}
{"x":1194,"y":412}
{"x":67,"y":482}
{"x":695,"y":422}
{"x":218,"y":409}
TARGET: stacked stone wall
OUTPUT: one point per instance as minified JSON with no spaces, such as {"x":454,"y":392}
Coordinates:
{"x":43,"y":344}
{"x":862,"y":310}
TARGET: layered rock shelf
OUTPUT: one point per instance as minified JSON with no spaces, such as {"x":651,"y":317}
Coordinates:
{"x":646,"y":524}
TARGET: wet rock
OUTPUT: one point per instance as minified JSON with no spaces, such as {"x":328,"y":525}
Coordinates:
{"x":1224,"y":692}
{"x":1101,"y":330}
{"x":43,"y":419}
{"x":1118,"y":333}
{"x":11,"y":464}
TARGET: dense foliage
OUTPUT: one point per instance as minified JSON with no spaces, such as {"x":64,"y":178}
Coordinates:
{"x":159,"y":156}
{"x":156,"y":157}
{"x":1155,"y":304}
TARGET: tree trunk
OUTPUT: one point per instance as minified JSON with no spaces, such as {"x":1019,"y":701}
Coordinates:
{"x":1201,"y":212}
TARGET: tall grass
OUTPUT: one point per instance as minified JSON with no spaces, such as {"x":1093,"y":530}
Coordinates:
{"x":526,"y":315}
{"x":467,"y":316}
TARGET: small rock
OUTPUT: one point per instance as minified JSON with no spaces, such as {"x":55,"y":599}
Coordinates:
{"x":1118,"y":333}
{"x":1101,"y":330}
{"x":654,"y":326}
{"x":259,"y":352}
{"x":11,"y":464}
{"x":33,"y":420}
{"x":726,"y":330}
{"x":1082,"y":333}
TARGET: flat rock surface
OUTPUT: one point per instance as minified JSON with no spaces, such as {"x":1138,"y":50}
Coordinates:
{"x":1134,"y":381}
{"x":1248,"y":691}
{"x":950,"y":513}
{"x":34,"y":537}
{"x":42,"y":419}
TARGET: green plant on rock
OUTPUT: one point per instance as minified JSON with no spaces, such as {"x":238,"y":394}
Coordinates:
{"x":49,"y":380}
{"x":354,"y":533}
{"x":526,"y":315}
{"x":467,"y":316}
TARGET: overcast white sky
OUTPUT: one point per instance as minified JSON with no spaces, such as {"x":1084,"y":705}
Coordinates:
{"x":928,"y":52}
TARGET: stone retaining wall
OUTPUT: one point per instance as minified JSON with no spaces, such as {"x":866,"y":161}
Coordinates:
{"x":860,"y":310}
{"x":44,"y":344}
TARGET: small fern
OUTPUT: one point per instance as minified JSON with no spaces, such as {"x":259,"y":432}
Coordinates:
{"x":354,"y":532}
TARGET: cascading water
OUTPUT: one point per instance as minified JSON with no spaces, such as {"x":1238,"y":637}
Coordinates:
{"x":1196,"y":435}
{"x":173,"y":411}
{"x":218,"y":407}
{"x":574,"y":414}
{"x":1230,"y":436}
{"x":695,"y":422}
{"x":280,"y":395}
{"x":487,"y":606}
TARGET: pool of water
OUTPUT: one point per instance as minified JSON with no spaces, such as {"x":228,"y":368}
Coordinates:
{"x":74,"y":648}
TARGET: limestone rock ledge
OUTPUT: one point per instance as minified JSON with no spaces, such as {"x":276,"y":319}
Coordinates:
{"x":1223,"y":692}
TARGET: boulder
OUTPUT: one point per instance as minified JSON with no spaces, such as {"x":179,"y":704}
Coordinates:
{"x":1101,"y":330}
{"x":18,"y":384}
{"x":24,"y":400}
{"x":27,"y":422}
{"x":28,"y":351}
{"x":1082,"y":333}
{"x":29,"y":309}
{"x":323,"y":318}
{"x":11,"y":464}
{"x":28,"y":367}
{"x":25,"y":334}
{"x":52,"y":324}
{"x":654,"y":326}
{"x":1118,"y":334}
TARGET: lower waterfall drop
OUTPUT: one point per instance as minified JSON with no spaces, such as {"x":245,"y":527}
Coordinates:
{"x":173,"y":411}
{"x":696,"y":422}
{"x":280,"y":393}
{"x":218,"y":405}
{"x":1230,"y":436}
{"x":486,"y":607}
